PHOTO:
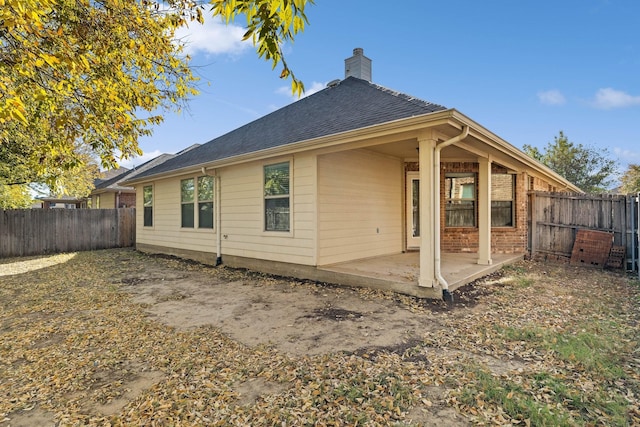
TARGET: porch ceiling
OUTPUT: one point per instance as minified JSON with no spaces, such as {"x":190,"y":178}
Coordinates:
{"x":470,"y":151}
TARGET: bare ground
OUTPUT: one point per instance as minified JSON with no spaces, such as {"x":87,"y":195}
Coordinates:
{"x":296,"y":318}
{"x":117,"y":337}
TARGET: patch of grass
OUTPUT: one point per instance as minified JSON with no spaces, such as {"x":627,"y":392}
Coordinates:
{"x":543,"y":399}
{"x":514,"y":269}
{"x":486,"y":390}
{"x":589,"y":404}
{"x":594,"y":350}
{"x":595,"y":353}
{"x":523,"y":282}
{"x":515,"y":276}
{"x":528,"y":334}
{"x":590,"y":352}
{"x":635,"y":284}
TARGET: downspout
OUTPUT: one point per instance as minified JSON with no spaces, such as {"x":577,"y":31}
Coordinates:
{"x":216,"y":204}
{"x":446,"y":295}
{"x":218,"y":219}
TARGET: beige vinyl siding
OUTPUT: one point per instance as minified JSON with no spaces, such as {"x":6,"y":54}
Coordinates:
{"x":243,"y":215}
{"x":107,"y":200}
{"x":360,"y":206}
{"x":166,"y":230}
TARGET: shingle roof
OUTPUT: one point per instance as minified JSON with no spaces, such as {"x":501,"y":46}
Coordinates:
{"x":351,"y":104}
{"x":108,"y":175}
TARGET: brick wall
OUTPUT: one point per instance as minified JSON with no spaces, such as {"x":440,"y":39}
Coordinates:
{"x":503,"y":239}
{"x":508,"y":240}
{"x":127,"y":200}
{"x":538,"y":184}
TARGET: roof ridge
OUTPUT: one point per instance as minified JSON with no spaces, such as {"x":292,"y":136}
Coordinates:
{"x":405,"y":96}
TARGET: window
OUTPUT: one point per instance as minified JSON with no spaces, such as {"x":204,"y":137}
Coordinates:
{"x":205,"y":202}
{"x":97,"y":202}
{"x":147,"y":203}
{"x":277,"y":197}
{"x":187,"y":190}
{"x":203,"y":194}
{"x":460,"y":199}
{"x":502,"y":190}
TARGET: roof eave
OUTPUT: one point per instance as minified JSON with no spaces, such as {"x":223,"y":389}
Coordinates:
{"x":509,"y":149}
{"x":415,"y":123}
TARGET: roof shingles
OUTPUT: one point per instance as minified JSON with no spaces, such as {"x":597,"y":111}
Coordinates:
{"x":350,"y":105}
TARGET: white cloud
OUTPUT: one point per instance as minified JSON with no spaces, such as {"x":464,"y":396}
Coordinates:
{"x":627,"y":155}
{"x":551,"y":97}
{"x":213,"y":37}
{"x":136,"y":161}
{"x":609,"y":98}
{"x":309,"y":90}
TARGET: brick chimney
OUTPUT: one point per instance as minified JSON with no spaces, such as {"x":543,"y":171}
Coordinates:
{"x":358,"y":65}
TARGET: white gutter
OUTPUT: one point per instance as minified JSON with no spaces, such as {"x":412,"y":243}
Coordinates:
{"x":436,"y":204}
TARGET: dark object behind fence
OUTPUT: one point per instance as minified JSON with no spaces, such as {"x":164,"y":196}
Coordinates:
{"x":555,"y":218}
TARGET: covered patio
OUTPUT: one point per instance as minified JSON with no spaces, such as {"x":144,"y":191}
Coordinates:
{"x":400,"y":272}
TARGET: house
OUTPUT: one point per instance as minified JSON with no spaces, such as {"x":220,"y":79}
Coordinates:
{"x":110,"y":193}
{"x":353,"y":172}
{"x":105,"y":194}
{"x":61,"y":202}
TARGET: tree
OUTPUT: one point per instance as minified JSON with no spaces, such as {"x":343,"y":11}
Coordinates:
{"x":631,"y":179}
{"x":100,"y":74}
{"x":590,"y":169}
{"x":15,"y":197}
{"x":269,"y":24}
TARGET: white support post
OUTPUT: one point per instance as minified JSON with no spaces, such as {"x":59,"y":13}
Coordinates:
{"x":484,"y":211}
{"x":427,"y":211}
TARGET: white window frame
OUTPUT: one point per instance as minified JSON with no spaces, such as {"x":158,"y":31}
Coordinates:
{"x":196,"y":204}
{"x":512,"y":200}
{"x":280,"y":233}
{"x":152,"y":206}
{"x":474,"y":199}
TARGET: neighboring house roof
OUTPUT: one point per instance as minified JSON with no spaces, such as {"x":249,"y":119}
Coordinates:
{"x":115,"y":183}
{"x":62,"y":199}
{"x":110,"y":174}
{"x":348,"y":105}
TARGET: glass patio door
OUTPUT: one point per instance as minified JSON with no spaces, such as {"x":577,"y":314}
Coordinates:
{"x":413,"y":210}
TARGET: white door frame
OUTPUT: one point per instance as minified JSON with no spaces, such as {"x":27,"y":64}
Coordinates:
{"x":412,"y":222}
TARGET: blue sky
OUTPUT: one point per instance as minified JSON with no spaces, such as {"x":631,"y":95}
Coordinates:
{"x":523,"y":69}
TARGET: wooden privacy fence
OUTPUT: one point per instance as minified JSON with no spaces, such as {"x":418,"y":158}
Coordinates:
{"x":554,"y":219}
{"x":42,"y":231}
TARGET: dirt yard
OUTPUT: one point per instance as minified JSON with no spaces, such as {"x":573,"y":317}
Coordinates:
{"x":119,"y":338}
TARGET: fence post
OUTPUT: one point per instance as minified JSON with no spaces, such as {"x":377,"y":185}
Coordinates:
{"x":631,"y":214}
{"x":532,"y":226}
{"x":636,"y":231}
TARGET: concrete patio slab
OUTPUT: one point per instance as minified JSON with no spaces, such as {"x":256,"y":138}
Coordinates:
{"x":400,"y":272}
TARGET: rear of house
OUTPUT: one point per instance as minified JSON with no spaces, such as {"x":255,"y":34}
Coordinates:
{"x":354,"y":171}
